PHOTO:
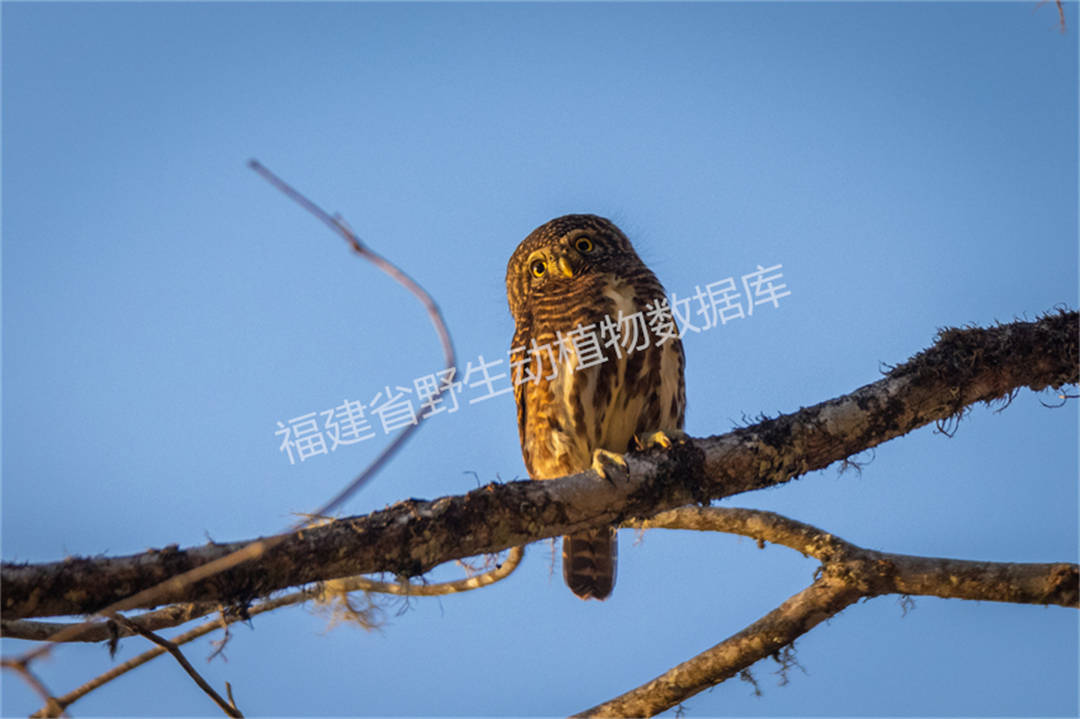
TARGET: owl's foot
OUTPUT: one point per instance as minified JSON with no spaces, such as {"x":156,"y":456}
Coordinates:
{"x":659,"y":438}
{"x":603,"y":459}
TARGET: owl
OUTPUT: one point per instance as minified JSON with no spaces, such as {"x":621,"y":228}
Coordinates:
{"x":597,"y":366}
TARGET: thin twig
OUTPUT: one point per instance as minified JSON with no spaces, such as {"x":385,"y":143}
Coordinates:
{"x":349,"y":584}
{"x":53,"y":707}
{"x":170,"y":616}
{"x":152,"y":594}
{"x":409,"y":589}
{"x":339,"y":226}
{"x":171,"y":648}
{"x":179,"y":640}
{"x":261,"y":546}
{"x":1060,"y":10}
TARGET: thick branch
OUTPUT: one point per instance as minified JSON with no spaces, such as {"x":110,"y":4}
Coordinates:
{"x":964,"y":366}
{"x":176,"y":614}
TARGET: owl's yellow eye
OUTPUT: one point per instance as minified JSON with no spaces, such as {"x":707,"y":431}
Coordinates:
{"x":538,"y":268}
{"x":584,"y":245}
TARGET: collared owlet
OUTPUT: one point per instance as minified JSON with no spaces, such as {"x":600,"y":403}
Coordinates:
{"x":597,"y":366}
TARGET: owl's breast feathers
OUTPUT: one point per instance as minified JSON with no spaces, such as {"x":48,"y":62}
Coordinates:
{"x":566,"y":412}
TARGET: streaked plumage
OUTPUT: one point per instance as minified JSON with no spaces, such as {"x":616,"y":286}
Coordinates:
{"x":574,"y":271}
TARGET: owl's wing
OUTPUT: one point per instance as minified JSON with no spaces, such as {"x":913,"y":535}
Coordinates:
{"x":521,"y":339}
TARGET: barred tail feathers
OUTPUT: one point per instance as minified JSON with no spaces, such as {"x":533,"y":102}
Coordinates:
{"x":589,"y":561}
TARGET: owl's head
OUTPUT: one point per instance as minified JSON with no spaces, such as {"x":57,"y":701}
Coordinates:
{"x":559,"y":255}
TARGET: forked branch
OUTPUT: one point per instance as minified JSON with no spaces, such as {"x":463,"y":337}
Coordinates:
{"x":848,"y":573}
{"x":228,"y":707}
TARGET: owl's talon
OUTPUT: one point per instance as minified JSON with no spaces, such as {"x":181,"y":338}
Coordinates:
{"x":659,"y":438}
{"x":602,"y":459}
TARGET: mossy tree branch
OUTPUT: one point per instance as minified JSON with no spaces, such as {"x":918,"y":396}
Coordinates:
{"x":963,"y":367}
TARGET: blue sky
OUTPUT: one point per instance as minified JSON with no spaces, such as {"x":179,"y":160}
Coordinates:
{"x":910,"y":166}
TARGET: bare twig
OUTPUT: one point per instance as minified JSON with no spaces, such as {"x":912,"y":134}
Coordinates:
{"x":408,"y":589}
{"x":179,"y":640}
{"x":1060,"y":11}
{"x":170,"y":616}
{"x":53,"y":707}
{"x":171,"y":648}
{"x":154,"y":595}
{"x":338,"y":225}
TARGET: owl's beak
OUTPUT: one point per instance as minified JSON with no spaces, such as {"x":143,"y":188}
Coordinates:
{"x":564,"y":266}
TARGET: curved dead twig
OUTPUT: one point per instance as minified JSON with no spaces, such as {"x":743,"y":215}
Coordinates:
{"x":410,"y":589}
{"x":337,"y":224}
{"x":152,"y":596}
{"x":848,"y":573}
